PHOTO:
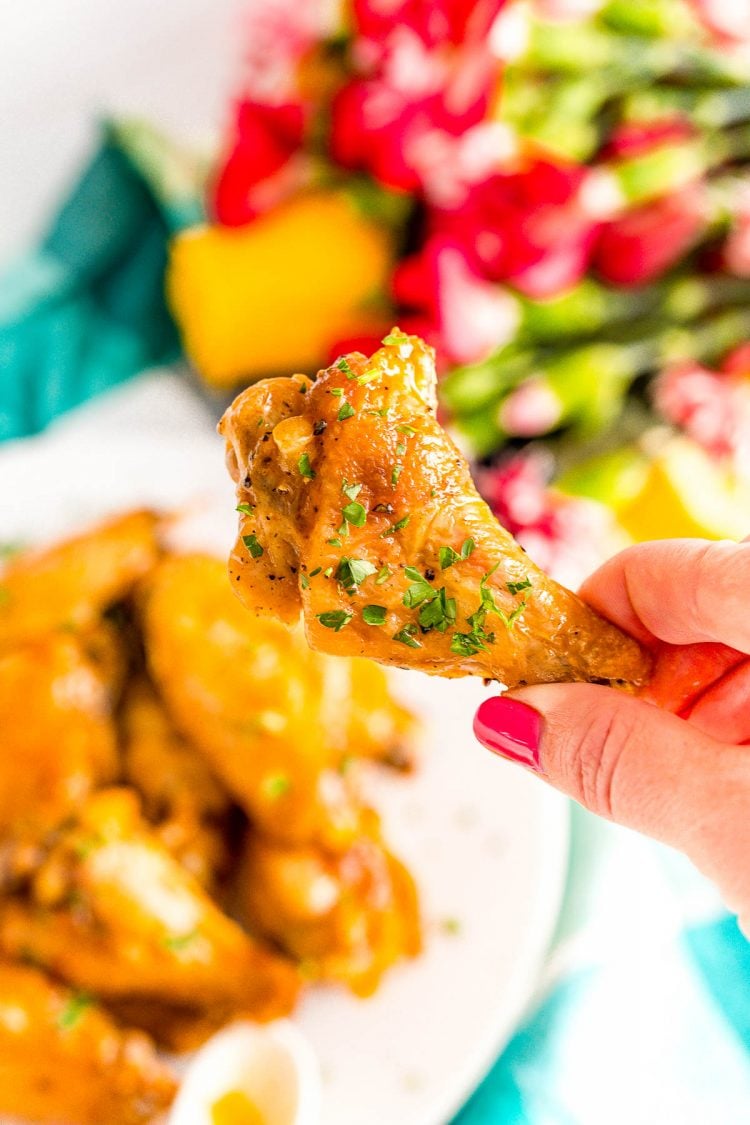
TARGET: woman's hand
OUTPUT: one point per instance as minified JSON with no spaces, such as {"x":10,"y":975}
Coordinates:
{"x":683,"y":781}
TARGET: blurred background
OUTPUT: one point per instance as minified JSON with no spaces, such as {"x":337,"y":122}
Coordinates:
{"x":556,"y":195}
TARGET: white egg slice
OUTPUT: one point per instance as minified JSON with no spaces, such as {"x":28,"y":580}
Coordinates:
{"x":251,"y":1074}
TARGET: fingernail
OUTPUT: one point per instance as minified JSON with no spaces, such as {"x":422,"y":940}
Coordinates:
{"x":510,"y":728}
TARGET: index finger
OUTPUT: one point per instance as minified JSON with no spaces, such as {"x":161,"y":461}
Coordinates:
{"x":677,"y":590}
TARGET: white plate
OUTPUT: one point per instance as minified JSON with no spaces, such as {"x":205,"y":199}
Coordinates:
{"x":487,"y":844}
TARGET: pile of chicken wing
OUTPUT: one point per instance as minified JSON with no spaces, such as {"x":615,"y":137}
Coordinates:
{"x":182,"y":833}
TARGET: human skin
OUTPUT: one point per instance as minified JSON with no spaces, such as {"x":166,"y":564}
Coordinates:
{"x":684,"y":781}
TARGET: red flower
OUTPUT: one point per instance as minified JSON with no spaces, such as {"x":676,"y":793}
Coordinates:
{"x":466,"y":317}
{"x":436,"y":23}
{"x":530,"y":227}
{"x":635,"y":138}
{"x":266,"y":137}
{"x":712,"y":407}
{"x":647,"y":241}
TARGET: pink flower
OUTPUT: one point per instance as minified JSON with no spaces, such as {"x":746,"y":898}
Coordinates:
{"x":467,"y":317}
{"x":436,"y":23}
{"x":566,"y":536}
{"x":712,"y":407}
{"x":727,"y":19}
{"x":634,"y":138}
{"x":646,"y":241}
{"x":736,"y":253}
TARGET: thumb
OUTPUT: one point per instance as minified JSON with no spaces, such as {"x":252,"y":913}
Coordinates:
{"x":628,"y":761}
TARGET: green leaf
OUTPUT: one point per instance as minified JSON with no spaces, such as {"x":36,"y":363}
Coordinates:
{"x":252,"y":545}
{"x":447,"y":557}
{"x":419,"y":590}
{"x":74,"y":1008}
{"x":408,"y":430}
{"x":516,"y":587}
{"x":467,"y":644}
{"x":401,"y":449}
{"x":438,"y":613}
{"x":337,"y":391}
{"x":346,"y":411}
{"x":343,"y":365}
{"x":335,"y":619}
{"x":467,"y":547}
{"x":351,"y":491}
{"x":178,"y":942}
{"x":355,"y":514}
{"x":246,"y":509}
{"x":374,"y":614}
{"x":395,"y":527}
{"x":383,"y":575}
{"x":275,"y":785}
{"x":352,"y":572}
{"x":397,"y":471}
{"x":317,"y":570}
{"x":369,"y":376}
{"x":305,"y":468}
{"x":407,"y":636}
{"x":395,"y":337}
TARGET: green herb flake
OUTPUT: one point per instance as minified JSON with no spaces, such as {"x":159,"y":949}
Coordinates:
{"x":304,"y":582}
{"x":369,"y":376}
{"x":177,"y":942}
{"x":352,"y":572}
{"x":334,"y":543}
{"x":335,"y":619}
{"x":408,"y":430}
{"x":395,"y":337}
{"x":516,"y":587}
{"x":401,"y":449}
{"x":252,"y":545}
{"x":381,"y":413}
{"x":275,"y":785}
{"x":439,"y":613}
{"x":337,"y":392}
{"x":305,"y":468}
{"x":383,"y":575}
{"x":74,"y":1008}
{"x":419,"y":590}
{"x":447,"y":557}
{"x":328,"y":572}
{"x":346,"y":411}
{"x":374,"y":614}
{"x":451,"y":926}
{"x":468,"y":644}
{"x":396,"y":527}
{"x":351,"y":491}
{"x":343,"y":365}
{"x":315,"y":572}
{"x":407,"y":636}
{"x":246,"y":509}
{"x":355,"y":514}
{"x":397,"y":471}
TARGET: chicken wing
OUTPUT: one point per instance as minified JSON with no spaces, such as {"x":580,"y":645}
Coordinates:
{"x":68,"y":585}
{"x":358,"y":509}
{"x":57,"y":735}
{"x":181,"y":797}
{"x":267,"y":713}
{"x":345,"y":917}
{"x":111,"y":912}
{"x":63,"y":1059}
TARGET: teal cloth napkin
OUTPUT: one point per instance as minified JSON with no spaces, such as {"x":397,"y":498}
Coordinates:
{"x":644,"y":1013}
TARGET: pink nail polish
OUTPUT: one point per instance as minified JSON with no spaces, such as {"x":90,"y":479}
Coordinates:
{"x":510,"y":728}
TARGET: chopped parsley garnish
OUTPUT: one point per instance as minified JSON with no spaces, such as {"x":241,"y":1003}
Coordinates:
{"x":343,"y":365}
{"x":374,"y":614}
{"x":469,"y":644}
{"x":381,"y":413}
{"x":438,"y":613}
{"x":305,"y":468}
{"x":516,"y":587}
{"x":401,"y":449}
{"x":252,"y":545}
{"x":368,"y":376}
{"x":337,"y":391}
{"x":355,"y":513}
{"x":352,"y":572}
{"x":351,"y":491}
{"x":383,"y":575}
{"x":304,"y":582}
{"x":395,"y":527}
{"x":407,"y":636}
{"x":275,"y":785}
{"x":346,"y":411}
{"x":177,"y":942}
{"x":316,"y":571}
{"x":335,"y":619}
{"x":448,"y":556}
{"x":328,"y":572}
{"x":246,"y":509}
{"x":73,"y":1010}
{"x":408,"y":430}
{"x":419,"y":590}
{"x":395,"y":337}
{"x":334,"y":543}
{"x":397,"y":471}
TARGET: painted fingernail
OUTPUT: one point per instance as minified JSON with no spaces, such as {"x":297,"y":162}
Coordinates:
{"x":510,"y":728}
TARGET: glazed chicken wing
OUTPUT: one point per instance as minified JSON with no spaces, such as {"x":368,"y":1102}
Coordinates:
{"x":272,"y":718}
{"x":180,"y":795}
{"x":62,"y":1059}
{"x":68,"y":585}
{"x":358,"y":509}
{"x":58,"y":739}
{"x":111,"y":912}
{"x":346,"y":917}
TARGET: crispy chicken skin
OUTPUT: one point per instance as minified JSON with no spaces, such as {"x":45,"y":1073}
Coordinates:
{"x":273,"y":719}
{"x":58,"y":739}
{"x":111,"y":912}
{"x":63,"y":1059}
{"x":68,"y":585}
{"x":360,"y":511}
{"x":346,"y":917}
